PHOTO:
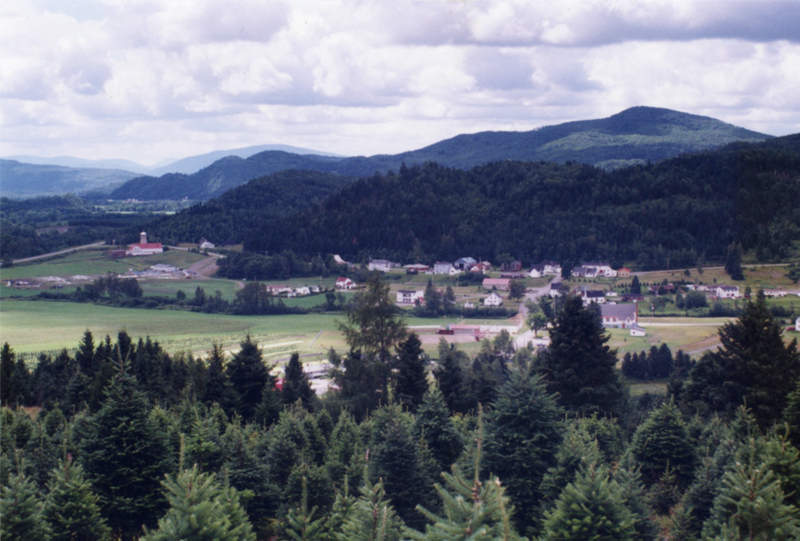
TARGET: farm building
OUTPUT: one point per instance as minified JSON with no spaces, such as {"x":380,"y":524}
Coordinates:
{"x":143,"y":247}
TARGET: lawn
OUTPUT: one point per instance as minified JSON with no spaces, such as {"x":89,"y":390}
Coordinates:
{"x":688,"y":334}
{"x":168,"y":288}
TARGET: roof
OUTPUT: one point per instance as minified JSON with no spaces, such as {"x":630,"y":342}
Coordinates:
{"x":146,"y":245}
{"x":618,"y":311}
{"x":594,"y":293}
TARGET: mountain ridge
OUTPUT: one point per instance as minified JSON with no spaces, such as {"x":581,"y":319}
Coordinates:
{"x":636,"y":135}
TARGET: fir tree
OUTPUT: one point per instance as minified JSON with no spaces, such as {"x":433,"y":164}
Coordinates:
{"x":523,"y":432}
{"x":201,"y":510}
{"x":661,"y":443}
{"x":71,"y":509}
{"x":8,"y":395}
{"x":433,"y":424}
{"x":411,"y":380}
{"x":591,"y":507}
{"x":300,"y":522}
{"x":751,"y":506}
{"x":472,"y":510}
{"x":125,"y":457}
{"x":449,"y":376}
{"x":218,"y":384}
{"x":754,"y":367}
{"x":372,"y":517}
{"x":296,"y":385}
{"x":791,"y":415}
{"x":343,"y":451}
{"x":248,"y":376}
{"x":21,"y":511}
{"x":578,"y":365}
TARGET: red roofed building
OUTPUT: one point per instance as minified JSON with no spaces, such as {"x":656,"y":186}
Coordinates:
{"x":143,"y":247}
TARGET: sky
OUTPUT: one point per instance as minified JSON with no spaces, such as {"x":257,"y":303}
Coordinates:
{"x":151,"y":80}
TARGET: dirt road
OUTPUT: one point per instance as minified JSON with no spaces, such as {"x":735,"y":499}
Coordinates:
{"x":59,"y":252}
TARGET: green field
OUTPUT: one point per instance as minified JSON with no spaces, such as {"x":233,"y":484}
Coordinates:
{"x":688,"y":334}
{"x":89,"y":262}
{"x":168,"y":288}
{"x":32,"y":326}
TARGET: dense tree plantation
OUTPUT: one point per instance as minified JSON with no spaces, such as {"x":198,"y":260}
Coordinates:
{"x":130,"y":442}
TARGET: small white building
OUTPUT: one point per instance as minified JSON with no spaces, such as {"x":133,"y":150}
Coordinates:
{"x":381,"y":265}
{"x":638,"y":331}
{"x":797,"y":324}
{"x":410,"y":296}
{"x":444,"y":267}
{"x":344,"y":283}
{"x":727,"y":292}
{"x":206,"y":245}
{"x":493,"y":300}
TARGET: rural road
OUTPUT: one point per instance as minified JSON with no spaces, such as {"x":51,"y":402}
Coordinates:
{"x":59,"y":252}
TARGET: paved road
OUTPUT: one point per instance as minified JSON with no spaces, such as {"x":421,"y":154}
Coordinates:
{"x":59,"y":252}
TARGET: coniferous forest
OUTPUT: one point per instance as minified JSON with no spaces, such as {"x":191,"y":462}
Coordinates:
{"x":122,"y":440}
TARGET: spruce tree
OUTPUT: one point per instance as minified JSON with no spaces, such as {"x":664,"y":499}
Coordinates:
{"x":71,"y":509}
{"x":733,"y":261}
{"x":411,"y":379}
{"x":125,"y":458}
{"x":341,"y":454}
{"x":296,"y":385}
{"x":21,"y":511}
{"x":591,"y":507}
{"x":248,"y":376}
{"x":791,"y":415}
{"x":523,"y":433}
{"x":201,"y":510}
{"x":578,"y":365}
{"x":450,"y":377}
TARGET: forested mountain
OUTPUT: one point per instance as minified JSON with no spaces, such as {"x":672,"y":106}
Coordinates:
{"x":27,"y":180}
{"x":635,"y":135}
{"x":672,"y":214}
{"x":223,"y":219}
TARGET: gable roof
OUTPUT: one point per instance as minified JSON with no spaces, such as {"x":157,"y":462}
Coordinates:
{"x":618,"y":311}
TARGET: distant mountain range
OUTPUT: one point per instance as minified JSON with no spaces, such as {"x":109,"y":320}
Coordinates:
{"x":30,"y":180}
{"x":636,"y":135}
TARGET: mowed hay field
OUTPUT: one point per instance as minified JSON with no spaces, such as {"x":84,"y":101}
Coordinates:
{"x":46,"y":326}
{"x":692,"y":335}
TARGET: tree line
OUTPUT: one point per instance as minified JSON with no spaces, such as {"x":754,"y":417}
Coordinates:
{"x":541,"y":445}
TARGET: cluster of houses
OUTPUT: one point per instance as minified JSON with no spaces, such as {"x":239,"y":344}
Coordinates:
{"x":289,"y":291}
{"x":466,"y":264}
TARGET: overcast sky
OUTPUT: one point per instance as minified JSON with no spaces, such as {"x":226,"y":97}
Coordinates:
{"x":151,"y":80}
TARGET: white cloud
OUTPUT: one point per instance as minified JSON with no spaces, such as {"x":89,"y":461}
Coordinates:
{"x":150,"y":80}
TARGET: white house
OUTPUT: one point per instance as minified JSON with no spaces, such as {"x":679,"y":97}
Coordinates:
{"x":624,"y":315}
{"x":410,"y":296}
{"x":537,"y":271}
{"x":727,"y":292}
{"x":593,"y":295}
{"x":493,"y":300}
{"x":551,"y":268}
{"x":557,"y":289}
{"x":465,"y":263}
{"x":206,"y":245}
{"x":381,"y":265}
{"x":797,"y":324}
{"x":444,"y":267}
{"x":143,"y":247}
{"x":344,"y":283}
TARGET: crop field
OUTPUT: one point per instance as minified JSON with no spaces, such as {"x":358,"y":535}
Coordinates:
{"x":755,"y":276}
